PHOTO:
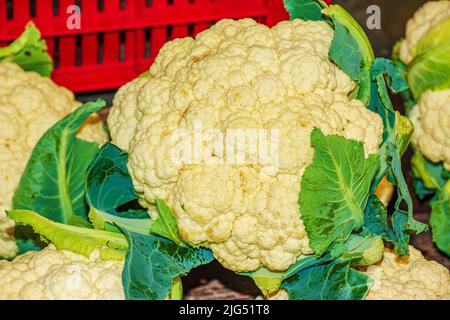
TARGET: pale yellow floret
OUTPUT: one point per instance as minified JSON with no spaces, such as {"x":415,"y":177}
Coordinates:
{"x":408,"y":278}
{"x":431,"y":118}
{"x":51,"y":274}
{"x":29,"y":105}
{"x":428,"y":16}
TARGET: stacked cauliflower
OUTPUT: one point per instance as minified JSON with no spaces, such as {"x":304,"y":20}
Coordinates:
{"x":408,"y":278}
{"x":60,"y":275}
{"x":431,"y":115}
{"x":238,"y":75}
{"x":55,"y":275}
{"x":29,"y":105}
{"x":431,"y":118}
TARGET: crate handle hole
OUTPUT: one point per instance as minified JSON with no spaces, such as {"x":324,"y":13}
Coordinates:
{"x":32,"y":8}
{"x":191,"y":30}
{"x":148,"y":41}
{"x":56,"y":55}
{"x":78,"y":54}
{"x":169,"y":33}
{"x":55,"y":7}
{"x":100,"y":5}
{"x":100,"y":48}
{"x":122,"y":53}
{"x":9,"y":10}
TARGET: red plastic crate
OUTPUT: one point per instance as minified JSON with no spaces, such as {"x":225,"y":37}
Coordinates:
{"x":119,"y":39}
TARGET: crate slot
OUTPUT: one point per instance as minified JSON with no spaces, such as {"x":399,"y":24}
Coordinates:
{"x":123,"y":4}
{"x":78,"y":52}
{"x":56,"y":53}
{"x":9,"y":9}
{"x":56,"y":7}
{"x":147,"y":43}
{"x":148,"y":3}
{"x":100,"y":5}
{"x":130,"y":46}
{"x":169,"y":33}
{"x":170,"y":2}
{"x":32,"y":8}
{"x":122,"y":41}
{"x":100,"y":48}
{"x":191,"y":30}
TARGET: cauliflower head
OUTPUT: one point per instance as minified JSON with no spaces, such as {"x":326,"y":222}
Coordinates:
{"x":428,"y":16}
{"x":431,"y":118}
{"x":238,"y":75}
{"x":60,"y":275}
{"x":29,"y":105}
{"x":408,"y":278}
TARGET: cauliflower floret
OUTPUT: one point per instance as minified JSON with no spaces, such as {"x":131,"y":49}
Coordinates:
{"x":431,"y":118}
{"x":238,"y":75}
{"x":60,"y":275}
{"x":428,"y":16}
{"x":408,"y":278}
{"x":29,"y":105}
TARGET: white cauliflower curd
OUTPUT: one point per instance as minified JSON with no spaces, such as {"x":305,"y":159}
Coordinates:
{"x":60,"y":275}
{"x":29,"y":105}
{"x":429,"y":15}
{"x":431,"y":118}
{"x":408,"y":278}
{"x":238,"y":75}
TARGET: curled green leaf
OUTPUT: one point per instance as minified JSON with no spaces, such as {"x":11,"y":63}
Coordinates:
{"x":76,"y":239}
{"x":29,"y":51}
{"x":53,"y":181}
{"x":335,"y":190}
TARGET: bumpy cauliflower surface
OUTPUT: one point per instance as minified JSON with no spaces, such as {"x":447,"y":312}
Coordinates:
{"x":60,"y":275}
{"x":238,"y":75}
{"x":428,"y":16}
{"x":431,"y":118}
{"x":408,"y":278}
{"x":29,"y":105}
